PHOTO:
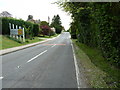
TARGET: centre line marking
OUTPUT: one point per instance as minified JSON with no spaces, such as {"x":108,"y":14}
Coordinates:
{"x":36,"y":56}
{"x":1,"y":78}
{"x":18,"y":66}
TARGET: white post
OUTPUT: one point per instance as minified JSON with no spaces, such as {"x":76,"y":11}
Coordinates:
{"x":16,"y":28}
{"x":23,"y":35}
{"x":13,"y":28}
{"x":10,"y":29}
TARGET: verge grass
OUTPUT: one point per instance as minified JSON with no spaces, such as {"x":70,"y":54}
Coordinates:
{"x":99,"y":73}
{"x":7,"y":42}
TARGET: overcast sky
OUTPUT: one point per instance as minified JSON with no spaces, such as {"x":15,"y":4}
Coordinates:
{"x":40,"y":9}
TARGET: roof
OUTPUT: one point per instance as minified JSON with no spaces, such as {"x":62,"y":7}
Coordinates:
{"x":5,"y":14}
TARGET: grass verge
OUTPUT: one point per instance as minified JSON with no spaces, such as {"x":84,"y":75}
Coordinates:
{"x":99,"y":73}
{"x":7,"y":42}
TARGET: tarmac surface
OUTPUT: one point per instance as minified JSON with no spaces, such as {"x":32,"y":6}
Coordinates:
{"x":45,"y":65}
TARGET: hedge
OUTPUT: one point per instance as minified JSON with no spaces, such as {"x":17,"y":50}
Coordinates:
{"x":31,"y":29}
{"x":97,"y":25}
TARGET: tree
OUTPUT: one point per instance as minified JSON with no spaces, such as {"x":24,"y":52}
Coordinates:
{"x":45,"y":28}
{"x":36,"y":29}
{"x":43,"y":23}
{"x":56,"y":23}
{"x":96,"y":25}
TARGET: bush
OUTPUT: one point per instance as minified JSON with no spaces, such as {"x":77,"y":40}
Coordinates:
{"x":36,"y":29}
{"x":97,"y":25}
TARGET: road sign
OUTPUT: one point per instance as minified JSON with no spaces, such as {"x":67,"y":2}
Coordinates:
{"x":14,"y":31}
{"x":17,"y":32}
{"x":20,"y":32}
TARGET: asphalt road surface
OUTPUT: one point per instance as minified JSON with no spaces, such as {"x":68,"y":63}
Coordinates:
{"x":47,"y":65}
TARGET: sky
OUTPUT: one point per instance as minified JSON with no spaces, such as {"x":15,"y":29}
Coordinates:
{"x":40,"y":9}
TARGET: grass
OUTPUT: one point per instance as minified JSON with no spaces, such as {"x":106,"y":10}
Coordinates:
{"x":99,"y":73}
{"x":6,"y":42}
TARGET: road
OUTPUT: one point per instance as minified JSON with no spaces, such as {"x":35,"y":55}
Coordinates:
{"x":47,"y":65}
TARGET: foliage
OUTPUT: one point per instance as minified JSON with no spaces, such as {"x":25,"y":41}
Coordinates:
{"x":36,"y":29}
{"x":30,"y":28}
{"x":97,"y":25}
{"x":56,"y":23}
{"x":94,"y":66}
{"x":44,"y":23}
{"x":46,"y":30}
{"x":8,"y":42}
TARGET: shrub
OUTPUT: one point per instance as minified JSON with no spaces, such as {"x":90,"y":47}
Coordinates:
{"x":36,"y":29}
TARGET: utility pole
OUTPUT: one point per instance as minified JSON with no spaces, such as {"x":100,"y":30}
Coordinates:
{"x":48,"y":24}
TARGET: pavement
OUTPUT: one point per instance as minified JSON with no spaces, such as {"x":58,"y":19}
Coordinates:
{"x":46,"y":65}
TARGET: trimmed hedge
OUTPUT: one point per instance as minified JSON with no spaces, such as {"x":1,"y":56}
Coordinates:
{"x":31,"y":29}
{"x":36,"y":29}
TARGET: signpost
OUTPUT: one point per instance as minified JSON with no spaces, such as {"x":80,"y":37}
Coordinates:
{"x":17,"y":32}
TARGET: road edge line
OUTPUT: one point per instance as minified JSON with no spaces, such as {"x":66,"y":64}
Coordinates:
{"x":76,"y":65}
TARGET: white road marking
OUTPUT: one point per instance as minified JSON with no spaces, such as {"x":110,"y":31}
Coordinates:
{"x":54,"y":45}
{"x":18,"y":66}
{"x":76,"y":67}
{"x":36,"y":56}
{"x":1,"y":78}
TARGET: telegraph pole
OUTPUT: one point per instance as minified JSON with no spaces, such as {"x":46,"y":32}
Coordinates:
{"x":48,"y":24}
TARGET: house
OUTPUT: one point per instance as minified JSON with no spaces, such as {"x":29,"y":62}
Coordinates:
{"x":5,"y":14}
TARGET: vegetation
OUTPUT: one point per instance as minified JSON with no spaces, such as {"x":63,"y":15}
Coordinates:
{"x":45,"y":29}
{"x":31,"y":29}
{"x":97,"y":25}
{"x":56,"y":23}
{"x":8,"y":42}
{"x":98,"y":72}
{"x":36,"y":29}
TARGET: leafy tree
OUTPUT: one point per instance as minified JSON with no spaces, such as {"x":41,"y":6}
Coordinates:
{"x":56,"y":23}
{"x":44,"y":23}
{"x":96,"y":25}
{"x":36,"y":29}
{"x":45,"y":28}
